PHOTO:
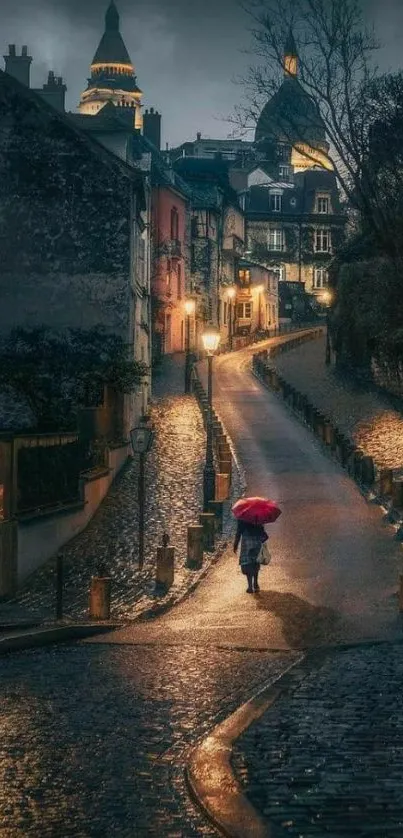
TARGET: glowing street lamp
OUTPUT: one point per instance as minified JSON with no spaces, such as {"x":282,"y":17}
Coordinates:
{"x":211,"y":340}
{"x":231,"y":295}
{"x":190,"y":306}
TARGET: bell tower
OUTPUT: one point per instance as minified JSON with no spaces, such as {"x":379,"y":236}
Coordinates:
{"x":112,"y":74}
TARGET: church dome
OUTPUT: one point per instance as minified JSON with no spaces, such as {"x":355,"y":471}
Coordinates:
{"x":291,"y":116}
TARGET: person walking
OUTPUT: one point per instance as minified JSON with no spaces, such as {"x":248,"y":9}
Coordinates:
{"x":251,"y":536}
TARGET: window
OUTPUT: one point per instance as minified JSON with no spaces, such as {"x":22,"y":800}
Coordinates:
{"x":319,"y":277}
{"x":284,"y":173}
{"x":169,"y":271}
{"x":323,"y":204}
{"x":275,"y":201}
{"x":179,"y":279}
{"x":244,"y":276}
{"x":225,"y":314}
{"x":280,"y":272}
{"x":174,"y":223}
{"x":322,"y":242}
{"x":244,"y":311}
{"x":275,"y":239}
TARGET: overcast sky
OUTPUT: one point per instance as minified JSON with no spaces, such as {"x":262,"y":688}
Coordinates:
{"x":186,"y":52}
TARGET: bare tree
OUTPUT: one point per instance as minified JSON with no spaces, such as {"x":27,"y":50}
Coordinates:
{"x":337,"y":71}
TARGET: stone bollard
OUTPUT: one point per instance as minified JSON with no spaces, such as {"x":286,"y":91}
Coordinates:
{"x":225,"y":466}
{"x":164,"y":577}
{"x":195,"y":547}
{"x":217,"y":507}
{"x":367,"y":471}
{"x":329,"y":434}
{"x":100,"y":598}
{"x":386,"y":481}
{"x":207,"y":521}
{"x":222,"y":486}
{"x":397,"y":494}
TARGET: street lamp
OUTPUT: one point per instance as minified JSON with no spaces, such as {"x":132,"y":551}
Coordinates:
{"x":189,"y":310}
{"x":142,"y":439}
{"x":211,"y":339}
{"x":326,"y":299}
{"x":231,"y":294}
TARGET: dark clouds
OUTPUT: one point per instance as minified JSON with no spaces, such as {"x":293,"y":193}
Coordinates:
{"x":186,"y":52}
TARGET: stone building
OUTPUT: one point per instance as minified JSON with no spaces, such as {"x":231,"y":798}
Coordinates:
{"x":70,"y":228}
{"x":216,"y":239}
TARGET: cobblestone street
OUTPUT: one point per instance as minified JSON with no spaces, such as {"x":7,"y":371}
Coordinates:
{"x":94,"y":737}
{"x":364,"y":415}
{"x":328,"y":759}
{"x":174,"y":500}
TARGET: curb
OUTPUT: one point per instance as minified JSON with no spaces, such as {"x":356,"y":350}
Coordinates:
{"x":45,"y":635}
{"x":209,"y":775}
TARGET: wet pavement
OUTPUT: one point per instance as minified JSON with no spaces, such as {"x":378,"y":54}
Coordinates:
{"x":94,"y":738}
{"x":174,"y":500}
{"x":361,"y":413}
{"x":327,"y":760}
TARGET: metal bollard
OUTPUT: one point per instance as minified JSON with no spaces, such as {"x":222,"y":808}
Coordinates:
{"x":100,"y":597}
{"x":165,"y":566}
{"x":367,"y":471}
{"x":207,"y":521}
{"x":195,"y":547}
{"x":397,"y":494}
{"x":386,"y":481}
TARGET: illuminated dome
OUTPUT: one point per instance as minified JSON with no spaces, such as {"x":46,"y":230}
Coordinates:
{"x":112,"y":74}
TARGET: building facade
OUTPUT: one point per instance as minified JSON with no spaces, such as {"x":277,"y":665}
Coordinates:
{"x":70,"y":229}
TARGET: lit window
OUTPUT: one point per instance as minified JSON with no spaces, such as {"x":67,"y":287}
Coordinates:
{"x":275,"y":239}
{"x":275,"y":202}
{"x":280,"y":273}
{"x":244,"y":311}
{"x":319,"y":277}
{"x":323,"y":204}
{"x":244,"y":277}
{"x":322,"y":241}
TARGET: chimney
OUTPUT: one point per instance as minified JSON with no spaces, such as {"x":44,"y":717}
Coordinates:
{"x":198,"y":136}
{"x":54,"y":92}
{"x":18,"y":66}
{"x":152,"y":127}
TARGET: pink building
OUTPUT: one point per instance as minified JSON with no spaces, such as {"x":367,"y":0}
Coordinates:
{"x":168,"y":263}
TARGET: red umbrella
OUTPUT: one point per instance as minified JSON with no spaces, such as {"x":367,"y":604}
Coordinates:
{"x":256,"y":510}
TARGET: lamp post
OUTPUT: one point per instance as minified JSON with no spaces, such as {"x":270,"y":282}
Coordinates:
{"x":327,"y":300}
{"x":142,"y":439}
{"x":189,"y":310}
{"x":231,"y":294}
{"x":211,"y":339}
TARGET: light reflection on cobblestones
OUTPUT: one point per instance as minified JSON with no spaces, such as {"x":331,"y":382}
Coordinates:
{"x":174,"y":478}
{"x":94,"y":737}
{"x":363,"y":414}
